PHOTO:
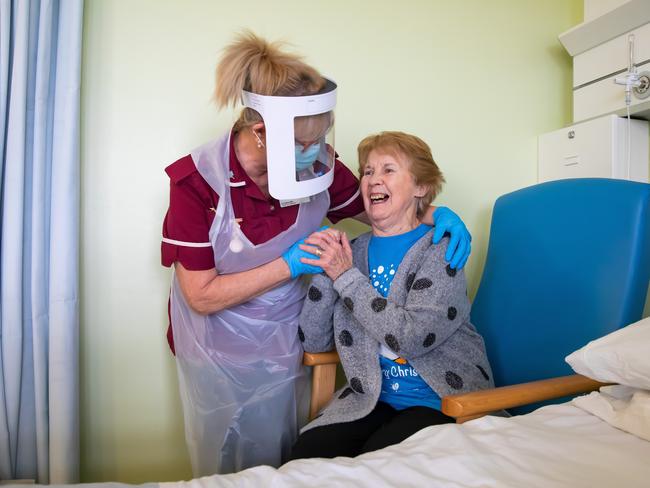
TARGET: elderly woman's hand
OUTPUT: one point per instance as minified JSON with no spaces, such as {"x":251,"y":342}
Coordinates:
{"x":335,"y":255}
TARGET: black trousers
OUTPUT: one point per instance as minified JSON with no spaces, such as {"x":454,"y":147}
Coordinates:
{"x":382,"y":427}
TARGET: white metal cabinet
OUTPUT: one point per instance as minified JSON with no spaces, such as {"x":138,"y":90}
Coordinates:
{"x":596,"y":148}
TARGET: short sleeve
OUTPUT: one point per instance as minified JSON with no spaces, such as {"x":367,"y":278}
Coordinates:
{"x":186,"y":227}
{"x":345,"y":197}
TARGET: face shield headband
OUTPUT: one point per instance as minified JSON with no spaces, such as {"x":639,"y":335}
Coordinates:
{"x":283,"y":160}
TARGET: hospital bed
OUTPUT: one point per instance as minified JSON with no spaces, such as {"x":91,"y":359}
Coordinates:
{"x":555,"y":446}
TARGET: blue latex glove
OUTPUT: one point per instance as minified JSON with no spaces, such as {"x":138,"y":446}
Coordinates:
{"x":446,"y":221}
{"x":292,"y":258}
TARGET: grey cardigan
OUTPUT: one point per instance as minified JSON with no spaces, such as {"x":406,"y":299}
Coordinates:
{"x":424,"y":319}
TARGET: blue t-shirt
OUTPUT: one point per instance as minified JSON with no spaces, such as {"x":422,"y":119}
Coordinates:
{"x":401,"y":386}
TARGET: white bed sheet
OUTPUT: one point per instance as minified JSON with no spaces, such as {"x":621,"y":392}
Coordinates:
{"x":555,"y":446}
{"x":623,"y":407}
{"x":558,"y":445}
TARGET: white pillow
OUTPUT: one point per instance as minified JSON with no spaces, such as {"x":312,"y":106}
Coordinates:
{"x":620,"y":357}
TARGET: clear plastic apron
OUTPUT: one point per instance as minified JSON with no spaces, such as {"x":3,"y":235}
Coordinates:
{"x":240,"y":370}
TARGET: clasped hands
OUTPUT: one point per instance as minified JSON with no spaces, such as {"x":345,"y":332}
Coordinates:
{"x":326,"y":250}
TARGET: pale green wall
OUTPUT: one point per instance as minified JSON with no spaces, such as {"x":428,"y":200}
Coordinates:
{"x":478,"y":80}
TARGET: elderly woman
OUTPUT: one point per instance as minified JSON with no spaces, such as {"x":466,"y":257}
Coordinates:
{"x":397,"y":313}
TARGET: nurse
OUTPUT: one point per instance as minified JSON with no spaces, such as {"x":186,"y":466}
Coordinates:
{"x":239,"y":206}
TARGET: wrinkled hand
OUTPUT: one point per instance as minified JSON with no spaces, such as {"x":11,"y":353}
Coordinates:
{"x":460,"y":239}
{"x":294,"y":255}
{"x":335,"y":256}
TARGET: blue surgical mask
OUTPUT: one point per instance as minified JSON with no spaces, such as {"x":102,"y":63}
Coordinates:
{"x":304,"y":159}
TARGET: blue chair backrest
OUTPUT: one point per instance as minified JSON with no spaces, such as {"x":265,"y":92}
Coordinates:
{"x":568,"y":261}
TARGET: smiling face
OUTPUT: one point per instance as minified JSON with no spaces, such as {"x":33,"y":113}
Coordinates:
{"x":390,"y":195}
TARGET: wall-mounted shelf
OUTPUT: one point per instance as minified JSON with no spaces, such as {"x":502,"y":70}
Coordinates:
{"x":588,"y":35}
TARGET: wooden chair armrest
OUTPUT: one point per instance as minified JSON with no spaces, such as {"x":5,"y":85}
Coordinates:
{"x":478,"y":403}
{"x":323,"y":378}
{"x":316,"y":358}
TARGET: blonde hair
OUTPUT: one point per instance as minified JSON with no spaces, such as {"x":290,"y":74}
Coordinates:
{"x":417,"y":153}
{"x":251,"y":63}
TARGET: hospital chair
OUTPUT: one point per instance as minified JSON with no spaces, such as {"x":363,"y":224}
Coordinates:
{"x":568,"y":261}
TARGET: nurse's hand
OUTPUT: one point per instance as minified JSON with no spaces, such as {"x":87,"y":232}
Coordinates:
{"x":460,"y":239}
{"x":335,"y":255}
{"x":296,"y":266}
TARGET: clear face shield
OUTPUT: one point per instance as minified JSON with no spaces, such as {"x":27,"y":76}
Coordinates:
{"x":299,"y":142}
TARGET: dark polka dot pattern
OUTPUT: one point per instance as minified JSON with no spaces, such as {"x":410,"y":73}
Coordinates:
{"x":347,"y":301}
{"x":314,"y":294}
{"x":450,"y":271}
{"x":391,"y":341}
{"x":422,"y":284}
{"x":453,"y":380}
{"x":429,"y":340}
{"x":345,"y":393}
{"x":345,"y":338}
{"x":483,"y":372}
{"x":301,"y":334}
{"x":451,"y":313}
{"x":409,"y":281}
{"x":356,"y":385}
{"x":378,"y":304}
